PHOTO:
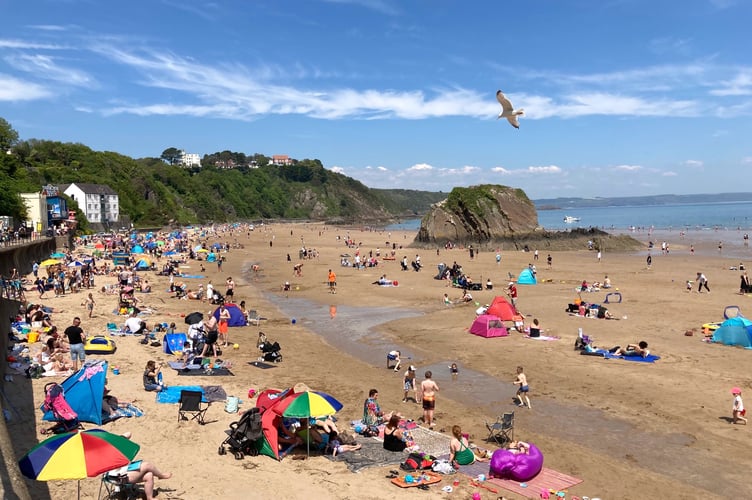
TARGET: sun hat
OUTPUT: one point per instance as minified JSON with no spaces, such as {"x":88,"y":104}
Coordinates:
{"x":412,"y":368}
{"x":736,"y":390}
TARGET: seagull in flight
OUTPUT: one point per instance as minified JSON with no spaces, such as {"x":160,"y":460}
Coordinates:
{"x":508,"y":111}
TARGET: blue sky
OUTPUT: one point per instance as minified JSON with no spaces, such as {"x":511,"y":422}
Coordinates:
{"x":622,"y":97}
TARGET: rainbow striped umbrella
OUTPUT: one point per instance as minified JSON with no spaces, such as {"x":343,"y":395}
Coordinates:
{"x":77,"y":455}
{"x":311,"y":404}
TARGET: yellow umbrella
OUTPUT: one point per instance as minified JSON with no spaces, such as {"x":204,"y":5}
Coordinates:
{"x":202,"y":250}
{"x":49,"y":262}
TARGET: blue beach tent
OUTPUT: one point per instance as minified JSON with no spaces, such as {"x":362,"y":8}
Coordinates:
{"x":526,"y":277}
{"x":735,"y":331}
{"x":84,"y":391}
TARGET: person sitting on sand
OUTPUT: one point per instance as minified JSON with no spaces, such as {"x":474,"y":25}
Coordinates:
{"x":151,"y":376}
{"x":459,"y":449}
{"x":639,"y":349}
{"x":466,"y":296}
{"x":394,"y":438}
{"x":372,"y":414}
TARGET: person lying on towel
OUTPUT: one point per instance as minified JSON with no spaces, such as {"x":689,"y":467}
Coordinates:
{"x":639,"y":349}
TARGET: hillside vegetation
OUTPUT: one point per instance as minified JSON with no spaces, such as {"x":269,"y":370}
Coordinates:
{"x":153,"y":192}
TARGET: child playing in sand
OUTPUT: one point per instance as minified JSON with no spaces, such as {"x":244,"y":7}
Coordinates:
{"x":524,"y":389}
{"x":738,"y":410}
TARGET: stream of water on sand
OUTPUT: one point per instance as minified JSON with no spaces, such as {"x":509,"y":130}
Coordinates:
{"x":354,"y":330}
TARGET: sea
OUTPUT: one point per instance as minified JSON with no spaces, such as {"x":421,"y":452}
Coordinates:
{"x":694,"y":223}
{"x":710,"y":217}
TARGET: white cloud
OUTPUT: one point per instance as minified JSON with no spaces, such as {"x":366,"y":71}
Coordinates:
{"x":669,"y":174}
{"x":628,"y":168}
{"x":47,"y":67}
{"x":550,"y":169}
{"x":13,"y":89}
{"x":420,"y":167}
{"x":20,"y":44}
{"x":377,"y":5}
{"x":338,"y":170}
{"x":747,"y":160}
{"x":694,"y":163}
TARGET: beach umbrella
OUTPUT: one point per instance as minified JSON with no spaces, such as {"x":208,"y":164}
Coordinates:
{"x":202,"y":250}
{"x":311,"y":404}
{"x":75,"y":263}
{"x":49,"y":262}
{"x":77,"y":455}
{"x":170,"y":252}
{"x":57,"y":255}
{"x":99,"y":246}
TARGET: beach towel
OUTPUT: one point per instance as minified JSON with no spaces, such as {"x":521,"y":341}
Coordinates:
{"x":542,"y":337}
{"x":193,"y":276}
{"x":214,"y":393}
{"x":261,"y":364}
{"x":125,"y":411}
{"x":171,"y":395}
{"x":650,"y":358}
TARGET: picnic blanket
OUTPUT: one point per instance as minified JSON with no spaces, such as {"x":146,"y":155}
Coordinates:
{"x":547,"y":479}
{"x":127,"y":410}
{"x":373,"y":454}
{"x":215,"y":372}
{"x":211,"y":393}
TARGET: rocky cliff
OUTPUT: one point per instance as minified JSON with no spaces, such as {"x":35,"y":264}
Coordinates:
{"x":479,"y":214}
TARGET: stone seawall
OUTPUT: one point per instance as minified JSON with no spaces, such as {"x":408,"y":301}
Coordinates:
{"x":20,"y":257}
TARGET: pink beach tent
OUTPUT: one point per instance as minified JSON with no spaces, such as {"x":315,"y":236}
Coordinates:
{"x":488,"y":325}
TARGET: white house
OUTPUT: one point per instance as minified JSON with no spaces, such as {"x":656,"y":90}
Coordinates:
{"x":99,"y":203}
{"x":190,"y":159}
{"x":36,"y":210}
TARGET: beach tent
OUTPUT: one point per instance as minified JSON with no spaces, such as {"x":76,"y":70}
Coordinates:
{"x":501,"y":308}
{"x":526,"y":277}
{"x":84,"y":391}
{"x":237,"y":318}
{"x":137,"y":249}
{"x":735,"y":331}
{"x":271,"y":420}
{"x":212,"y":257}
{"x":143,"y":263}
{"x":488,"y":325}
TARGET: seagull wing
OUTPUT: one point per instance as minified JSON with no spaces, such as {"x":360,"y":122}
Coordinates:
{"x":505,"y":104}
{"x":513,"y":121}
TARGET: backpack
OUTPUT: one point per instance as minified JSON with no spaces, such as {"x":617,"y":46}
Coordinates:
{"x":417,"y":461}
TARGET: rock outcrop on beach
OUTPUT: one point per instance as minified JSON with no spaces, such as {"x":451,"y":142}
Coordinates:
{"x":489,"y":216}
{"x":478,"y":214}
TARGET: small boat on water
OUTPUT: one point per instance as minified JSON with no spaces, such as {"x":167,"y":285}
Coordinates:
{"x":569,"y":219}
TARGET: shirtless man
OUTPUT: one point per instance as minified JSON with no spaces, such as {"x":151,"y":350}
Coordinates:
{"x":428,"y":390}
{"x":523,"y":389}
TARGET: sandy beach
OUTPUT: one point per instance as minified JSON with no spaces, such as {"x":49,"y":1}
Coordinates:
{"x":628,"y":430}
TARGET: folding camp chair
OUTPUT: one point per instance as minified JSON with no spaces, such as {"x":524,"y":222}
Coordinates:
{"x":116,"y":486}
{"x":191,"y":404}
{"x":253,"y":317}
{"x":501,"y":431}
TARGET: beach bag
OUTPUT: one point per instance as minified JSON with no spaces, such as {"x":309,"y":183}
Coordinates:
{"x":232,"y":404}
{"x":442,"y":466}
{"x":417,"y":461}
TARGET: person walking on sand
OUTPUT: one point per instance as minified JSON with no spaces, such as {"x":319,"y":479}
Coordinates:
{"x":550,"y":261}
{"x":89,"y":304}
{"x":428,"y":390}
{"x":523,"y":389}
{"x":224,"y":323}
{"x":738,"y":409}
{"x":76,"y":338}
{"x":332,"y":279}
{"x":409,"y":383}
{"x":702,"y":281}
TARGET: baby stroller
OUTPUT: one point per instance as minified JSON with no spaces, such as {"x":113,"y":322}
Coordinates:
{"x":271,"y":352}
{"x":66,"y":419}
{"x":217,"y":298}
{"x":243,"y":435}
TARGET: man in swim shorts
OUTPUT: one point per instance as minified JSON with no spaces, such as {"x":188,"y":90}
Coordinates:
{"x":428,"y":390}
{"x":523,"y":390}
